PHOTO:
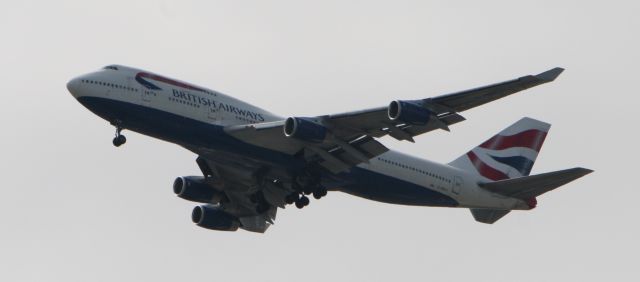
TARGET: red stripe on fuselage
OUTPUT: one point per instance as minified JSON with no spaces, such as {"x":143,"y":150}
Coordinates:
{"x":484,"y":169}
{"x":531,"y":139}
{"x":170,"y":81}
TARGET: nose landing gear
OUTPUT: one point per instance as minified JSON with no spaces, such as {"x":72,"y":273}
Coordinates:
{"x":119,"y":140}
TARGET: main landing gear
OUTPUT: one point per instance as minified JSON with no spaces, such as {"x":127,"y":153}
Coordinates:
{"x":300,"y":200}
{"x":305,"y":187}
{"x":119,"y":139}
{"x":319,"y":192}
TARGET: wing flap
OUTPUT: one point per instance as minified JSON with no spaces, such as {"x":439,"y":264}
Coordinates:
{"x":448,"y":119}
{"x":368,"y":146}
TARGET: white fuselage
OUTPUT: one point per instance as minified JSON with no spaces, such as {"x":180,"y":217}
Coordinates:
{"x":140,"y":88}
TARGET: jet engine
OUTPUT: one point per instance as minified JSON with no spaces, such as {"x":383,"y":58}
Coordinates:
{"x":410,"y":112}
{"x":213,"y":218}
{"x":304,"y":129}
{"x":195,"y":188}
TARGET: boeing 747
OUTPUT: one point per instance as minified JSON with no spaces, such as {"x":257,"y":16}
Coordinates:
{"x":254,"y":162}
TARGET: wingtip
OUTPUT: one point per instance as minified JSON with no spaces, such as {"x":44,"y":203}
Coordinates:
{"x":587,"y":171}
{"x":584,"y":171}
{"x":550,"y":75}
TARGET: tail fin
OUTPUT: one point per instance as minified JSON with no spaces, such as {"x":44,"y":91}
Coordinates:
{"x":509,"y":154}
{"x":506,"y":161}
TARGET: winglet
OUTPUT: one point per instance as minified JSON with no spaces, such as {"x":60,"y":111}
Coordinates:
{"x":550,"y":75}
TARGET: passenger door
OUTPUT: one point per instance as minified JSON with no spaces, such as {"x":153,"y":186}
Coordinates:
{"x":129,"y":93}
{"x":213,"y":114}
{"x":146,"y":95}
{"x":457,"y":184}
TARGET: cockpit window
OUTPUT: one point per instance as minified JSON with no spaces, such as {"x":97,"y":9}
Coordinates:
{"x":110,"y":68}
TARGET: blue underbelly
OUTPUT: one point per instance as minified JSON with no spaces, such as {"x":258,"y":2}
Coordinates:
{"x":178,"y":129}
{"x":193,"y":133}
{"x":383,"y":188}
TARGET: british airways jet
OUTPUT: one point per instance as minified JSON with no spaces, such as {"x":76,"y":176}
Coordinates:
{"x":254,"y":162}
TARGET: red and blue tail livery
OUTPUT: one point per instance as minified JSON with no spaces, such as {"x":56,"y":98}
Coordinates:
{"x":254,"y":162}
{"x":509,"y":154}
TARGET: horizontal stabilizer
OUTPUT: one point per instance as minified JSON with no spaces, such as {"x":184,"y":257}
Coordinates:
{"x":528,"y":187}
{"x":488,"y":216}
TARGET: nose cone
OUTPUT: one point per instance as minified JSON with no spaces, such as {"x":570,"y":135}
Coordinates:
{"x":74,"y":87}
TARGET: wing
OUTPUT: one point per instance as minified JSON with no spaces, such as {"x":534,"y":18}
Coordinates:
{"x":468,"y":99}
{"x":340,"y":141}
{"x":377,"y":122}
{"x":249,"y":193}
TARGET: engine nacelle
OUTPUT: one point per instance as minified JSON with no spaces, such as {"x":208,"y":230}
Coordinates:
{"x":304,"y":129}
{"x":214,"y":218}
{"x":195,"y":188}
{"x":410,"y":112}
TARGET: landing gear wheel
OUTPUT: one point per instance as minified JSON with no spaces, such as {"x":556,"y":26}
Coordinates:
{"x":302,"y":202}
{"x":119,"y":140}
{"x":319,"y":192}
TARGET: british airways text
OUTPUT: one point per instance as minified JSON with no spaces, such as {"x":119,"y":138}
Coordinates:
{"x":184,"y":95}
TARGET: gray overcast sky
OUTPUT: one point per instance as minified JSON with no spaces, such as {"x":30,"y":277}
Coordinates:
{"x":74,"y":208}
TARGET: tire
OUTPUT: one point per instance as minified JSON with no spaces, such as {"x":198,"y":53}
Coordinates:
{"x":116,"y":142}
{"x":305,"y":201}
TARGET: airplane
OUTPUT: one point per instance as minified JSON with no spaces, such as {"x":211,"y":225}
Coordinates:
{"x":254,"y":162}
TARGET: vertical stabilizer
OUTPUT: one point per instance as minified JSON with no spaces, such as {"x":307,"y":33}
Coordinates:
{"x":509,"y":154}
